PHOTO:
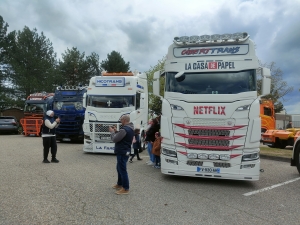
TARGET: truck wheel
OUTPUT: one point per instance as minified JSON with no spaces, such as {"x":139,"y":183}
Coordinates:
{"x":297,"y":157}
{"x":282,"y":144}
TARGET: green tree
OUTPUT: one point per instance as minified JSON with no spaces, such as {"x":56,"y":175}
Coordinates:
{"x":75,"y":68}
{"x":115,"y":63}
{"x":3,"y":89}
{"x":32,"y":63}
{"x":279,"y":87}
{"x":154,"y":101}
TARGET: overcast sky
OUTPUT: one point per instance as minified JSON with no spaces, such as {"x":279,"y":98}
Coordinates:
{"x":142,"y":30}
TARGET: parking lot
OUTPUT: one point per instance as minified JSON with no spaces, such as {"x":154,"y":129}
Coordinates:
{"x":78,"y":190}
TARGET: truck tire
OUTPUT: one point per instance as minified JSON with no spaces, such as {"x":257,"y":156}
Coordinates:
{"x":282,"y":144}
{"x":297,"y":157}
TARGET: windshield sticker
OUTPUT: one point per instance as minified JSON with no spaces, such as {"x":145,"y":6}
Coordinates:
{"x":110,"y":82}
{"x":209,"y":66}
{"x":209,"y":51}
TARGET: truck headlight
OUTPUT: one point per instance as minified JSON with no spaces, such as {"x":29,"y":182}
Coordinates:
{"x":250,"y":157}
{"x":176,"y":107}
{"x":243,"y":108}
{"x":169,"y":152}
{"x":78,"y":105}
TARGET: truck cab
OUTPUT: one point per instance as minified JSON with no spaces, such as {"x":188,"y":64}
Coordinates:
{"x":69,"y":108}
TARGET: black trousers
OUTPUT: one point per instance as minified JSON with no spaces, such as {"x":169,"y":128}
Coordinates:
{"x":50,"y":142}
{"x":136,"y":153}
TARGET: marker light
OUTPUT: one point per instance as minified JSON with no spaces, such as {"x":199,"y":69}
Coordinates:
{"x":204,"y":38}
{"x":226,"y":37}
{"x":192,"y":155}
{"x":176,"y":39}
{"x":240,"y":35}
{"x":203,"y":156}
{"x":215,"y":37}
{"x":194,"y":38}
{"x":213,"y":156}
{"x":184,"y":39}
{"x":225,"y":157}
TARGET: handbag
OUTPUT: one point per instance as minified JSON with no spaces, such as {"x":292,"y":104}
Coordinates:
{"x":133,"y":140}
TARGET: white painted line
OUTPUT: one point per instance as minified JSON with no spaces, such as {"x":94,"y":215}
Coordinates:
{"x":271,"y":187}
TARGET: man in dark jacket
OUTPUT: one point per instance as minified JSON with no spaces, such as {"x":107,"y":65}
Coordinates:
{"x":123,"y":140}
{"x":48,"y":135}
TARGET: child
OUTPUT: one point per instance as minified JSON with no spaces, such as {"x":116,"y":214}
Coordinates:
{"x":136,"y":145}
{"x":156,"y":150}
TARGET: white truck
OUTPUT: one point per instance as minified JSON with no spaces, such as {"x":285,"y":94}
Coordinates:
{"x":210,"y":120}
{"x":108,"y":97}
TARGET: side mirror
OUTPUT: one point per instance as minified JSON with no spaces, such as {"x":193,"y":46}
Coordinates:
{"x":84,"y":100}
{"x":156,"y":83}
{"x":266,"y":81}
{"x":142,"y":101}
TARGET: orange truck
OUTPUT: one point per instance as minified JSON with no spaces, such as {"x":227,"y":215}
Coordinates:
{"x":280,"y":138}
{"x":267,"y":114}
{"x":270,"y":136}
{"x":35,"y":108}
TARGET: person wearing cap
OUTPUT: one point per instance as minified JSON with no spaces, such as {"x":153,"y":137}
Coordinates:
{"x":289,"y":125}
{"x":48,"y":135}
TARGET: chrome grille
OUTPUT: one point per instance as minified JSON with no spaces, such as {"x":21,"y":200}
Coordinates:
{"x":208,"y":142}
{"x":209,"y":132}
{"x":206,"y":122}
{"x":194,"y":163}
{"x":101,"y":132}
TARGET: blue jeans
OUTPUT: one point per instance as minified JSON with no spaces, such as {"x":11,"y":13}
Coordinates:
{"x":149,"y":149}
{"x":123,"y":179}
{"x":157,"y":160}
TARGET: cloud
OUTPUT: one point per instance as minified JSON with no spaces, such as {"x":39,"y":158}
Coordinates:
{"x":141,"y":31}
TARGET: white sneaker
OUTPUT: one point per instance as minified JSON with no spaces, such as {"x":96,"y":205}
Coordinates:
{"x":148,"y":162}
{"x":151,"y":164}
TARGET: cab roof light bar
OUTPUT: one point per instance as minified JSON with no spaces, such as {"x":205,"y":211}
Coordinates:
{"x":209,"y":39}
{"x":75,"y":88}
{"x":118,"y":74}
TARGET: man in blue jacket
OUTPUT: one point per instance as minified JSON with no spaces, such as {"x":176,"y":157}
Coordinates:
{"x":123,"y":141}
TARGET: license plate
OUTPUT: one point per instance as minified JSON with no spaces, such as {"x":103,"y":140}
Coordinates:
{"x":208,"y":170}
{"x":66,"y":139}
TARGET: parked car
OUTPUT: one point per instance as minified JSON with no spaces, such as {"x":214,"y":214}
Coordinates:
{"x":9,"y":124}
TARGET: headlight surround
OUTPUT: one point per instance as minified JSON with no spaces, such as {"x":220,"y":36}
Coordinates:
{"x":169,"y":152}
{"x":176,"y":107}
{"x":243,"y":108}
{"x":59,"y":105}
{"x":78,"y":105}
{"x":250,"y":157}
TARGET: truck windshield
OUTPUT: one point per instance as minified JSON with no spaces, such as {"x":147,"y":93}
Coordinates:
{"x":211,"y":83}
{"x":67,"y":106}
{"x":110,"y":101}
{"x":35,"y":108}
